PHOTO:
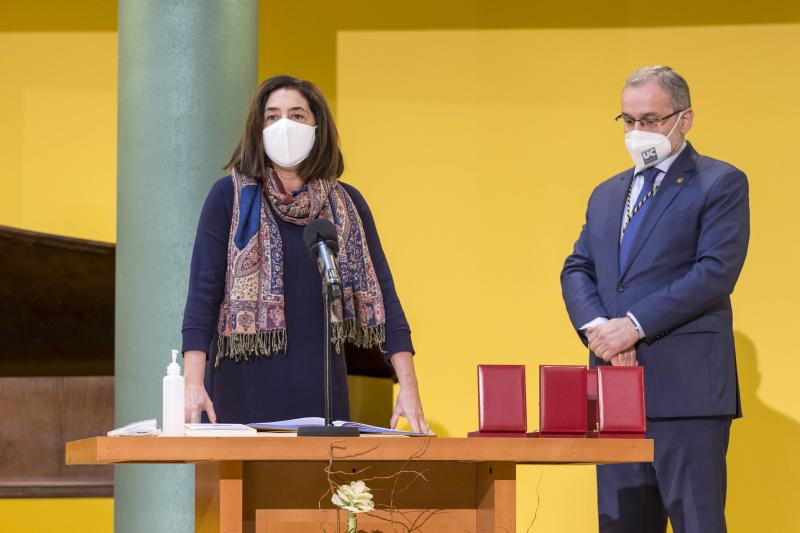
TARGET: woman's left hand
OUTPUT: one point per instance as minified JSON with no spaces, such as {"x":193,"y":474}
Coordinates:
{"x":409,"y":406}
{"x":408,"y":403}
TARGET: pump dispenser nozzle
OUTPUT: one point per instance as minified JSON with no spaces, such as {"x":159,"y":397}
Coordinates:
{"x":174,"y":368}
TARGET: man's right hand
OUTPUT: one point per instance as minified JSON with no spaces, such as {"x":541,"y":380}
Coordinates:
{"x":616,"y":336}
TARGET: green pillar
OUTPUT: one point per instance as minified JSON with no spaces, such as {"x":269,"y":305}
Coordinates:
{"x":187,"y":70}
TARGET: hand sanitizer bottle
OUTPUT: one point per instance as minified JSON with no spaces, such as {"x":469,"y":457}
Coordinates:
{"x":173,"y":398}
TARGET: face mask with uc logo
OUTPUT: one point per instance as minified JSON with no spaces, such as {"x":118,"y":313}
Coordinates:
{"x":648,"y":148}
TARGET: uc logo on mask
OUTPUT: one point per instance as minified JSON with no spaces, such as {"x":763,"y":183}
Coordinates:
{"x":648,"y":156}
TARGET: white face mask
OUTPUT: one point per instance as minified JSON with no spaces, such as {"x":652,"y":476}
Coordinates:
{"x":648,"y":148}
{"x":287,"y":142}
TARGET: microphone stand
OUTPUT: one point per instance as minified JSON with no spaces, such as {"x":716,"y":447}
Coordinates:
{"x":328,"y":430}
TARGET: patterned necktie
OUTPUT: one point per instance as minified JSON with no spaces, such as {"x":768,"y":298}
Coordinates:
{"x":637,"y":215}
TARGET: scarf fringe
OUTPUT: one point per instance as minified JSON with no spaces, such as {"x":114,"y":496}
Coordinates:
{"x":361,"y":336}
{"x":240,"y":346}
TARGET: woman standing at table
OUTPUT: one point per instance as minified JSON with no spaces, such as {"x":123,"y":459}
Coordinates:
{"x":253,"y":323}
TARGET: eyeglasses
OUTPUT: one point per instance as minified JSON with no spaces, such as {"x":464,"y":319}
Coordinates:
{"x":650,"y":123}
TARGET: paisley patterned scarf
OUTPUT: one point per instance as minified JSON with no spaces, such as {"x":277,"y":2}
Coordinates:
{"x":252,"y":319}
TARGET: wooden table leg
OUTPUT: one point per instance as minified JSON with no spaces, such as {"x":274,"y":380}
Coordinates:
{"x":218,"y":497}
{"x":496,"y":497}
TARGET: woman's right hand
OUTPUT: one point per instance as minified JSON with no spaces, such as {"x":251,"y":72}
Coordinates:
{"x":196,"y":398}
{"x":197,"y":401}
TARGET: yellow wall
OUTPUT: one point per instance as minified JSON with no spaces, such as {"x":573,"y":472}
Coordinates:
{"x":58,"y":143}
{"x":479,"y":126}
{"x":493,"y":143}
{"x":80,"y":515}
{"x":496,"y":117}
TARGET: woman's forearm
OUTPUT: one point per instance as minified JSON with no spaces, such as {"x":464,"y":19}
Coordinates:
{"x":403,"y":363}
{"x":194,"y":363}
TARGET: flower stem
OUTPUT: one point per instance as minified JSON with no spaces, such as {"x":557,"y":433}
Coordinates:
{"x":351,"y":522}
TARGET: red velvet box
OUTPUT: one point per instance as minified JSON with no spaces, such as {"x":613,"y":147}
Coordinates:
{"x":562,"y":400}
{"x":620,"y":391}
{"x":501,"y":400}
{"x":592,"y":413}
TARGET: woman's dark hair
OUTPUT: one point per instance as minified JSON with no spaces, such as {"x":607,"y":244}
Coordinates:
{"x":325,"y":159}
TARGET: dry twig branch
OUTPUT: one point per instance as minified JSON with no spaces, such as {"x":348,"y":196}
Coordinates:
{"x":408,"y":523}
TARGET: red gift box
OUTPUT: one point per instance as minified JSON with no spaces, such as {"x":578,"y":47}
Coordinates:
{"x":562,"y":400}
{"x":620,"y":392}
{"x":501,"y":401}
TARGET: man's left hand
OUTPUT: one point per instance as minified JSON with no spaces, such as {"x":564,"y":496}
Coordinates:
{"x":615,"y":336}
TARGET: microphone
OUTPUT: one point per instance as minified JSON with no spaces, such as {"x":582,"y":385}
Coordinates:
{"x":323,"y":245}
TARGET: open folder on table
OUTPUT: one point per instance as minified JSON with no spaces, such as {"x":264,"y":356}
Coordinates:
{"x":293,"y":424}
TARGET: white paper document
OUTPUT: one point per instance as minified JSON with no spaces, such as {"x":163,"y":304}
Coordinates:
{"x":294,"y":423}
{"x":135,"y":429}
{"x":219,"y":430}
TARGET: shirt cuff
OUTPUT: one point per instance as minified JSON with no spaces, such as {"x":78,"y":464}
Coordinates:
{"x":196,"y":339}
{"x":636,"y":323}
{"x":398,"y":340}
{"x":594,"y":323}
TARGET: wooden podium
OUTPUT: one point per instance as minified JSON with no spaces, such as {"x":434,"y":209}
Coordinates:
{"x":270,"y":484}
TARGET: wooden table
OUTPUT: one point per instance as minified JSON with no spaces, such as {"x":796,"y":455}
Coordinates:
{"x":270,"y":484}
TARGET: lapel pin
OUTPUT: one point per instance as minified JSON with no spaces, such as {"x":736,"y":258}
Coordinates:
{"x":679,"y":180}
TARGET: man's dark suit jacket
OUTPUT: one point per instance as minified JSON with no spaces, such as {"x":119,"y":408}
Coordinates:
{"x":685,"y":261}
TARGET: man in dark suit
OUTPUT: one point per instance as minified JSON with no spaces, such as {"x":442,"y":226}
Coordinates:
{"x":649,"y":283}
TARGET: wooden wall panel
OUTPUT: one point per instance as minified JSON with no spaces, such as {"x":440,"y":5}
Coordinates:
{"x":46,"y":412}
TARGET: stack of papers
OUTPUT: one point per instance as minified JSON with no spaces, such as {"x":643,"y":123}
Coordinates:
{"x":148,"y":427}
{"x":143,"y":427}
{"x":219,"y":430}
{"x":293,"y":424}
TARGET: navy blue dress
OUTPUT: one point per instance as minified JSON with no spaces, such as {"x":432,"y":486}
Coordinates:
{"x":284,"y":385}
